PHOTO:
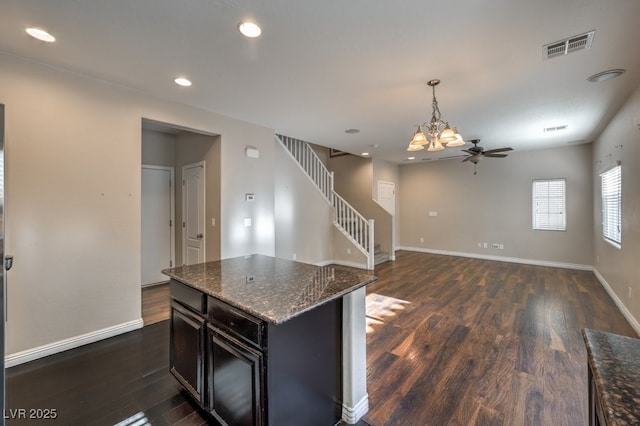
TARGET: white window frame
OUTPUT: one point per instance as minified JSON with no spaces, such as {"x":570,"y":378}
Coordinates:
{"x":549,"y":204}
{"x":611,"y":199}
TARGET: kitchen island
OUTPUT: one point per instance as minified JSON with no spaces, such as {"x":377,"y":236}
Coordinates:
{"x":257,"y":340}
{"x":614,"y":378}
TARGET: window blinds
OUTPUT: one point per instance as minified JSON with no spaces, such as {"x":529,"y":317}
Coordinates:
{"x":549,"y":205}
{"x":611,"y":184}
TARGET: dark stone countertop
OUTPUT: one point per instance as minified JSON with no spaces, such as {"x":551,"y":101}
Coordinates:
{"x":269,"y":288}
{"x":615,"y":363}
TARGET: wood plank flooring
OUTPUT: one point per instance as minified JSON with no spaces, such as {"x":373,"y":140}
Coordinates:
{"x":155,"y":303}
{"x":454,"y":341}
{"x":476,"y":342}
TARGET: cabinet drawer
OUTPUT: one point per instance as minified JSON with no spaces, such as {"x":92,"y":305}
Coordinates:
{"x":235,"y":321}
{"x":188,"y":296}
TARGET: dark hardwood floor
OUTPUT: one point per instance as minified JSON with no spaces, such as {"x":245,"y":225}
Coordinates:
{"x":476,"y":342}
{"x":453,"y":341}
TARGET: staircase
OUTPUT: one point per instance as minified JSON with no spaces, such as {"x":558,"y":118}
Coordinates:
{"x":352,"y":224}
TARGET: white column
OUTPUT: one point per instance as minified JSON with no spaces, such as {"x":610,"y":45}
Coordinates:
{"x":355,"y":400}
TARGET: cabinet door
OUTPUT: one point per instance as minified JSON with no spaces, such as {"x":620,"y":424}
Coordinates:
{"x":235,"y":381}
{"x":187,"y":350}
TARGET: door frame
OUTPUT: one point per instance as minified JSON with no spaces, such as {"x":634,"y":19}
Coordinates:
{"x":204,"y":212}
{"x":172,"y":194}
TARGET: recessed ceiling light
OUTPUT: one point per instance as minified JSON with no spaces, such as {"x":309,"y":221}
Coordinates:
{"x":605,"y":75}
{"x":365,"y":153}
{"x":181,"y":81}
{"x":411,"y":158}
{"x":250,"y":29}
{"x":40,"y":34}
{"x":352,"y":131}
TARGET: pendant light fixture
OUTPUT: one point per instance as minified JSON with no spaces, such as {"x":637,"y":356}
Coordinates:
{"x":437,"y":132}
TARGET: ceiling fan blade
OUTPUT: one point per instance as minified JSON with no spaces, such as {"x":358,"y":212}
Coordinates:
{"x":491,"y":151}
{"x":493,"y":155}
{"x":468,"y":152}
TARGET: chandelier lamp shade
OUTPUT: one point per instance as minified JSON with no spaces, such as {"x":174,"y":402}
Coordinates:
{"x":437,"y":133}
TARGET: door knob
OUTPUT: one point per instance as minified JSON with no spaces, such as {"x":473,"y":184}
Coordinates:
{"x":8,"y":262}
{"x":199,"y":236}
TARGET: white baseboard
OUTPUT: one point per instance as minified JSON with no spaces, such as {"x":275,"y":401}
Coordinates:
{"x":502,"y":258}
{"x":70,"y":343}
{"x":627,"y":314}
{"x":351,"y":415}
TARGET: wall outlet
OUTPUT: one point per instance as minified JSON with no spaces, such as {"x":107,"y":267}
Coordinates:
{"x":422,"y":239}
{"x":496,"y":246}
{"x":348,"y":251}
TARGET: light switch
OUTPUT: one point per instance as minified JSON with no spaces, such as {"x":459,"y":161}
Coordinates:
{"x":213,"y":221}
{"x":249,"y":197}
{"x":247,"y":222}
{"x":433,"y":214}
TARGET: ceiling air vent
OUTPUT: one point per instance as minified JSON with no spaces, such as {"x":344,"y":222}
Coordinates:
{"x":555,"y":129}
{"x":568,"y":45}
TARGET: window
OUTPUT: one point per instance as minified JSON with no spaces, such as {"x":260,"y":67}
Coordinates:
{"x":549,"y":213}
{"x":611,"y":184}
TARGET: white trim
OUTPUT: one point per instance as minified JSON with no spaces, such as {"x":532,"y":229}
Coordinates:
{"x":70,"y":343}
{"x":627,"y":314}
{"x":503,"y":258}
{"x":351,"y":415}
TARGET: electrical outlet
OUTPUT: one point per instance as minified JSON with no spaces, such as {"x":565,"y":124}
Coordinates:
{"x":348,"y":251}
{"x":496,"y":246}
{"x":422,"y":239}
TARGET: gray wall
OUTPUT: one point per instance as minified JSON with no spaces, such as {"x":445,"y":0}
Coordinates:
{"x":494,"y":206}
{"x":303,"y":218}
{"x":619,"y":269}
{"x":73,"y":221}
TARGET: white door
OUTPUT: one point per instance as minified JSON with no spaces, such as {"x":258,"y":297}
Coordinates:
{"x":157,"y":223}
{"x":193,"y":238}
{"x":387,"y":196}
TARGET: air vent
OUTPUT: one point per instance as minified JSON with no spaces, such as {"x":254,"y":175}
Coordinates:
{"x":555,"y":129}
{"x":571,"y":44}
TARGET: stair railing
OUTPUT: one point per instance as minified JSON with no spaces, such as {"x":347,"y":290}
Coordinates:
{"x":352,"y":224}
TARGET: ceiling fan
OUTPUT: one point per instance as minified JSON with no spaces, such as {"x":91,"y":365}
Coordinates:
{"x":476,"y":152}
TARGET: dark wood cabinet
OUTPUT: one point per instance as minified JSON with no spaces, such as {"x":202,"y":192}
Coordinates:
{"x":235,"y":380}
{"x":248,"y":372}
{"x":186,"y":352}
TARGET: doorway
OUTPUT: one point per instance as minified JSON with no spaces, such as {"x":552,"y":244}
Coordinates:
{"x":158,"y":242}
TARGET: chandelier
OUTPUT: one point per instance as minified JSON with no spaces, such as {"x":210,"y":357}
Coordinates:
{"x":437,"y":132}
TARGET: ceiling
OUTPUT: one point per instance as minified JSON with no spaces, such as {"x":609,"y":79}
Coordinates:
{"x":321,"y":67}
